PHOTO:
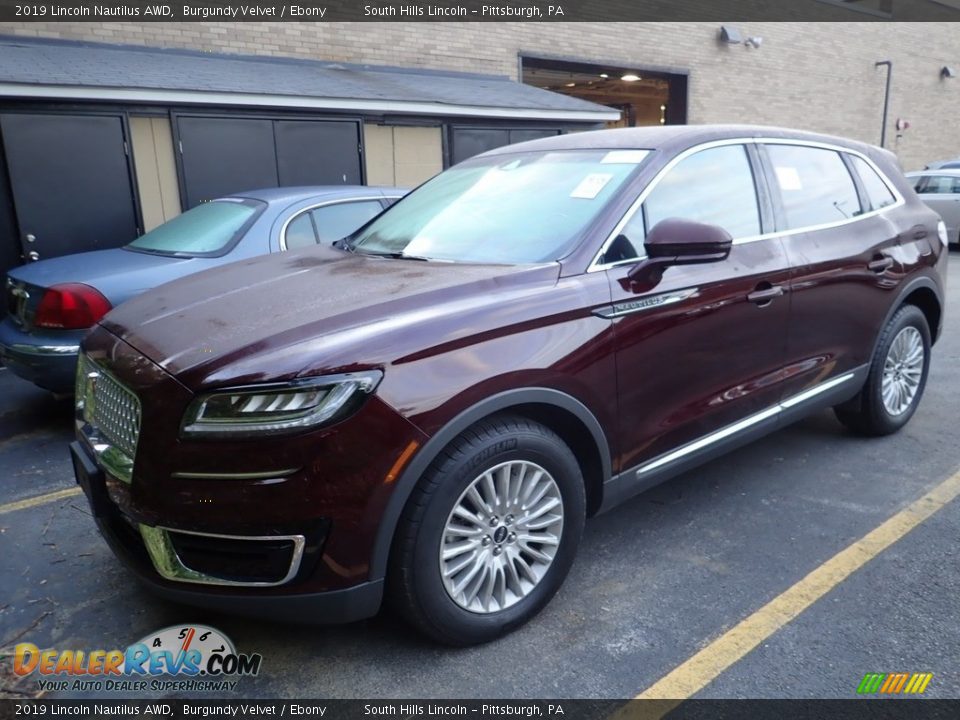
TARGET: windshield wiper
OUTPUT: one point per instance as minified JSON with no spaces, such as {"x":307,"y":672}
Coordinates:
{"x":394,"y":255}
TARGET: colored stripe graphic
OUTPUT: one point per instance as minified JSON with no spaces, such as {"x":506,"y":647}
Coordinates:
{"x":894,"y":683}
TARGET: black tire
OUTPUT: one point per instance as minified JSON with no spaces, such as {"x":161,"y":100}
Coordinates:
{"x":416,"y":587}
{"x":866,"y":413}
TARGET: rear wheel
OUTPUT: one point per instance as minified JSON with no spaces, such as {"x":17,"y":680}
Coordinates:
{"x":490,"y":532}
{"x":898,"y":375}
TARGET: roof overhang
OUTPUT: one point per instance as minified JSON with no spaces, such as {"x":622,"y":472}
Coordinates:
{"x":364,"y":106}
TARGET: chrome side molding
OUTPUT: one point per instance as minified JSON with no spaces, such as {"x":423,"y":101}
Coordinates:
{"x":742,"y":425}
{"x":648,"y":303}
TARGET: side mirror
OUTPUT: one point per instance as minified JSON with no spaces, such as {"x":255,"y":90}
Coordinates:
{"x":680,"y":242}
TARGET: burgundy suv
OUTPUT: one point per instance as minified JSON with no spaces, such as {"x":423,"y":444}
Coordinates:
{"x":430,"y":410}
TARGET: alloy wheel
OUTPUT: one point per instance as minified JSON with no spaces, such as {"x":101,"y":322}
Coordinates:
{"x":501,"y":536}
{"x":902,"y":371}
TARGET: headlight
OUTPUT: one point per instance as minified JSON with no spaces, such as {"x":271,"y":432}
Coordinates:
{"x":279,"y":408}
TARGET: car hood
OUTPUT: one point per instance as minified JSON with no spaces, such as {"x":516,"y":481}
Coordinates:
{"x":277,"y":316}
{"x":118,"y":274}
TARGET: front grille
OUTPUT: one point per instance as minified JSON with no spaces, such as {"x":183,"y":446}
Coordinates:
{"x":109,"y":408}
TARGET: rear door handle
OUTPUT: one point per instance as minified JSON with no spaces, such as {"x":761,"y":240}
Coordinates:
{"x":766,"y":295}
{"x":880,"y":265}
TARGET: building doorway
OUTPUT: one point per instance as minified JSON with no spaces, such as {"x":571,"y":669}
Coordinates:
{"x":643,"y":96}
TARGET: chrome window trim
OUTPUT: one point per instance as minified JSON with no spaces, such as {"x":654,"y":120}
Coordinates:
{"x":169,"y":566}
{"x":338,"y":201}
{"x":596,"y":265}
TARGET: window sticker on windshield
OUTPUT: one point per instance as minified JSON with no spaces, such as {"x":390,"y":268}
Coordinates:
{"x":788,"y":178}
{"x":591,"y":186}
{"x":624,"y":157}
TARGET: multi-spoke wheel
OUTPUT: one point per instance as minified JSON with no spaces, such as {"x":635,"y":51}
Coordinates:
{"x":896,"y":379}
{"x":903,"y":370}
{"x":501,"y":536}
{"x":490,"y":532}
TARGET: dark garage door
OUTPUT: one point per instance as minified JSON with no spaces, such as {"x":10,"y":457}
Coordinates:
{"x":467,"y":142}
{"x":221,"y":156}
{"x":318,"y":153}
{"x":70,"y":182}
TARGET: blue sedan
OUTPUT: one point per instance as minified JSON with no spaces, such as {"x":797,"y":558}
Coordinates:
{"x":52,"y":303}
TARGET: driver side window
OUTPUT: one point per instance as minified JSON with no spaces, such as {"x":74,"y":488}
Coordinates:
{"x":714,"y":186}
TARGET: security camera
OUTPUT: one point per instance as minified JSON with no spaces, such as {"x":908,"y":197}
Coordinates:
{"x":947,"y":72}
{"x":754,"y":42}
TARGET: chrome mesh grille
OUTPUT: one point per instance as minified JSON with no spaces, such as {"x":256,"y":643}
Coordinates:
{"x":110,"y":409}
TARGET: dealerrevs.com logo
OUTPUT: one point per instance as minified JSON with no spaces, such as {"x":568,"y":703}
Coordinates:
{"x":197,"y":656}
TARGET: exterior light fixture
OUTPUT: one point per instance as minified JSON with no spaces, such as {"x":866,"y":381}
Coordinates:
{"x":604,"y":76}
{"x":730,"y":35}
{"x":571,"y":84}
{"x":947,"y":72}
{"x":630,"y":77}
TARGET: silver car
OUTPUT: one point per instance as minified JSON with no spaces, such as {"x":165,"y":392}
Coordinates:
{"x":940,"y":190}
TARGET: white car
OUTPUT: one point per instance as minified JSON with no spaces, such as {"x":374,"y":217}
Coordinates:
{"x":940,"y":191}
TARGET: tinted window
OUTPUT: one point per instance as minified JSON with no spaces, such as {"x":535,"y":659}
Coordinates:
{"x":938,"y":185}
{"x":206,"y":229}
{"x":815,"y":185}
{"x":524,"y":207}
{"x":335,"y":222}
{"x":877,"y":191}
{"x":713,"y":186}
{"x":300,"y":232}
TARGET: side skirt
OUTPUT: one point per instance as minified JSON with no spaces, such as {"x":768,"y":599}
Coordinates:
{"x":649,"y":474}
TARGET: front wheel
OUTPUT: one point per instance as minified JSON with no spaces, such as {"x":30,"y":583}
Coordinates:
{"x":898,"y":375}
{"x":490,"y":532}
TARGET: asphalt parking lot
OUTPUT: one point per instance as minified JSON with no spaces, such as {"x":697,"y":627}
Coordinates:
{"x":656,"y":582}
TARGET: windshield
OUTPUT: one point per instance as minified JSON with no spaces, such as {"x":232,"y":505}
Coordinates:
{"x":208,"y":229}
{"x":512,"y":209}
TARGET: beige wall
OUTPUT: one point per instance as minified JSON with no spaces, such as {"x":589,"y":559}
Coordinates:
{"x":818,"y":76}
{"x":156,"y":170}
{"x":400,"y":155}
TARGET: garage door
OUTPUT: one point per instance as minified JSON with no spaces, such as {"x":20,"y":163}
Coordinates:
{"x":220,"y":156}
{"x":70,"y":182}
{"x":466,"y":142}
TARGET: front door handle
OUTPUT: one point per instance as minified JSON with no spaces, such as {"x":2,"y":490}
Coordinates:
{"x":765,"y":294}
{"x":880,"y":265}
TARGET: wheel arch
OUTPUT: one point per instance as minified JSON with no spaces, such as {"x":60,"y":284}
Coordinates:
{"x":925,"y":293}
{"x":565,"y":415}
{"x":927,"y":300}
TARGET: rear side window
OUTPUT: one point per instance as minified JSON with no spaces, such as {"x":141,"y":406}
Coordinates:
{"x":938,"y":185}
{"x":335,"y":222}
{"x":300,"y":232}
{"x":713,"y":186}
{"x":815,"y":186}
{"x":877,"y":191}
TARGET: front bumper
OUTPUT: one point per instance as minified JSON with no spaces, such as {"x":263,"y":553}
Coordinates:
{"x":335,"y":606}
{"x":46,"y":359}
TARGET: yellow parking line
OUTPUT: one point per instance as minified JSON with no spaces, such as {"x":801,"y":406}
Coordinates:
{"x":701,"y":669}
{"x":39,"y":500}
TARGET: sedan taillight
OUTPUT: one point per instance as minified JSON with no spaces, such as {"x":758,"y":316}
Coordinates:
{"x":70,"y":306}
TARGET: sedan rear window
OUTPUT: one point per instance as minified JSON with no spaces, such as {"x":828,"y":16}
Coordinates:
{"x":208,"y":229}
{"x":512,"y":209}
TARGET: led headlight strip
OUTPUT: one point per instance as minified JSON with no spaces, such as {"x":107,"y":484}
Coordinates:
{"x":280,"y":407}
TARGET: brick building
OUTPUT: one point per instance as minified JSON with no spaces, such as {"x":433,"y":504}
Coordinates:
{"x":421,"y":96}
